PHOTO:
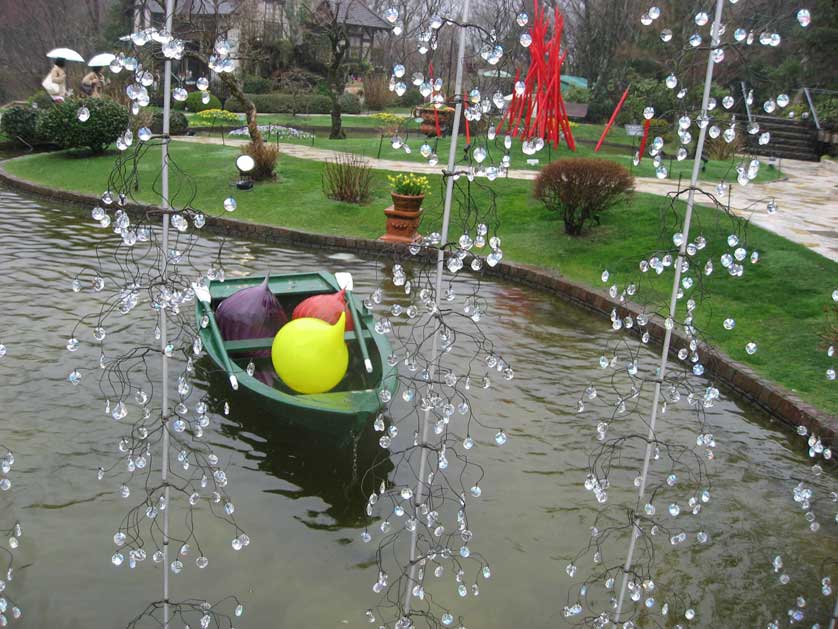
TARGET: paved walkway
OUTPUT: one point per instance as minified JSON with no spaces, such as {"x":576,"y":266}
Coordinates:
{"x":806,"y":207}
{"x":807,"y":211}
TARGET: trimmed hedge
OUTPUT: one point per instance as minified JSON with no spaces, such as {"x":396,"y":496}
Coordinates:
{"x":575,"y":94}
{"x":283,"y":104}
{"x":295,"y":104}
{"x":60,"y":124}
{"x":411,"y":98}
{"x":350,"y":104}
{"x":178,"y":123}
{"x":20,"y":123}
{"x":40,"y":99}
{"x":193,"y":103}
{"x":257,"y":85}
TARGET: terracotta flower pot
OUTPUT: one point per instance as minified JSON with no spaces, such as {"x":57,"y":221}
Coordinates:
{"x":407,"y":202}
{"x":403,"y":218}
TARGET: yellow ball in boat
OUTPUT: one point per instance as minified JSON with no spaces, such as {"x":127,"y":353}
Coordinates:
{"x":310,"y":355}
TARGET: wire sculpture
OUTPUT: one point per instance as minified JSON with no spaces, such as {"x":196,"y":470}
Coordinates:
{"x":420,"y":507}
{"x":9,"y":610}
{"x":155,"y":271}
{"x":622,"y":582}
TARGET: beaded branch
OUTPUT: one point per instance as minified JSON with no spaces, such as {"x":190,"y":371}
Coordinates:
{"x":439,"y":386}
{"x":11,"y":535}
{"x":672,"y":492}
{"x":417,"y":499}
{"x":156,"y":271}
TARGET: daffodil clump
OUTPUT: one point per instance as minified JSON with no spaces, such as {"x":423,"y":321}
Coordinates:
{"x":388,"y":120}
{"x":409,"y":184}
{"x":216,"y":116}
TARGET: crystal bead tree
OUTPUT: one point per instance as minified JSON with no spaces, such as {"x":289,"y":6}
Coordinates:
{"x":11,"y":534}
{"x":419,"y":515}
{"x":163,"y":460}
{"x":663,"y":468}
{"x":816,"y":497}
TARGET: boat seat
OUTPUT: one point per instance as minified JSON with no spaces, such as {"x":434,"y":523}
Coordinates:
{"x":251,"y":345}
{"x":292,"y":284}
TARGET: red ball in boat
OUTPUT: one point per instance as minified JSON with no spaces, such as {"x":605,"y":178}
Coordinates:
{"x":325,"y":307}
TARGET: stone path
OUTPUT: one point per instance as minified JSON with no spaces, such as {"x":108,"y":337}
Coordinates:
{"x":807,"y":212}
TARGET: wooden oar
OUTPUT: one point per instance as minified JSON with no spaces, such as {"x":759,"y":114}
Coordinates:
{"x":345,"y":282}
{"x":205,"y":299}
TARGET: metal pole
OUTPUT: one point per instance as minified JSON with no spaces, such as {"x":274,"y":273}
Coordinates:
{"x":833,"y":623}
{"x":164,"y":401}
{"x":812,"y":108}
{"x":708,"y":81}
{"x":419,"y":494}
{"x":745,"y":98}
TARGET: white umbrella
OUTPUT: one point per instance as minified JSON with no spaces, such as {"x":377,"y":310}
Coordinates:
{"x":65,"y":53}
{"x":101,"y":60}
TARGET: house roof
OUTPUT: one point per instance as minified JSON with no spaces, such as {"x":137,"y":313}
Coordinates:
{"x":198,"y":7}
{"x":356,"y":13}
{"x":575,"y":81}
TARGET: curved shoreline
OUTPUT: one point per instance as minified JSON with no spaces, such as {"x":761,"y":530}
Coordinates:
{"x":770,"y":397}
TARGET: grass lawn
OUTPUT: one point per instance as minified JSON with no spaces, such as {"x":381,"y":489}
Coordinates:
{"x":778,"y":303}
{"x":369,"y":146}
{"x":619,"y":147}
{"x":715,"y":170}
{"x":321,"y":122}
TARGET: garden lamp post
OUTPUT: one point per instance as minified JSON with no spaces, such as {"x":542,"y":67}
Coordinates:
{"x":245,"y":164}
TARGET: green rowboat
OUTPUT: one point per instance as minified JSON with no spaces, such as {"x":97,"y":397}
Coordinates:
{"x":352,"y":403}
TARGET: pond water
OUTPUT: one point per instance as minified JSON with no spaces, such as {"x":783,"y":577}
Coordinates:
{"x":295,"y":494}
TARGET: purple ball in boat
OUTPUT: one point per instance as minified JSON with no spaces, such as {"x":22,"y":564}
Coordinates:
{"x":251,"y":313}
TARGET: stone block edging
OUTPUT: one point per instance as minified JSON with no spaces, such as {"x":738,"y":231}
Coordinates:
{"x":771,"y":398}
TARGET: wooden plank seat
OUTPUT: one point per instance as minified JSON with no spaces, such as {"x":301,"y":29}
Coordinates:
{"x":292,"y":285}
{"x":252,"y":345}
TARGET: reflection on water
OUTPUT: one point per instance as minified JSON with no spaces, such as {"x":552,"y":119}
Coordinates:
{"x":300,"y":495}
{"x":334,"y":468}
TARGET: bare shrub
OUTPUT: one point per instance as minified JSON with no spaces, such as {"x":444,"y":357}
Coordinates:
{"x":377,"y":95}
{"x":581,"y":189}
{"x":265,"y":156}
{"x":722,"y":150}
{"x":347,"y":178}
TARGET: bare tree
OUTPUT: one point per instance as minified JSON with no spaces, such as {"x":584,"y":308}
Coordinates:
{"x":498,"y":25}
{"x":201,"y":24}
{"x":327,"y":22}
{"x":414,"y":16}
{"x":597,"y":29}
{"x":232,"y":83}
{"x":204,"y":22}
